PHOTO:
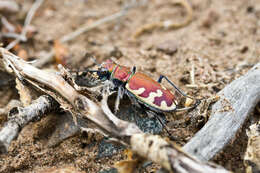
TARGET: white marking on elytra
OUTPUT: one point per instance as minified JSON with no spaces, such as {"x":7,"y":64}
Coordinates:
{"x":164,"y":105}
{"x":139,"y":91}
{"x":152,"y":95}
{"x":150,"y":99}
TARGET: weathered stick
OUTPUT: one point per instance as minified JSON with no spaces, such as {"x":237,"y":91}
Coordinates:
{"x":21,"y":117}
{"x":9,"y":6}
{"x":157,"y":149}
{"x":169,"y":156}
{"x":237,"y":100}
{"x":10,"y":27}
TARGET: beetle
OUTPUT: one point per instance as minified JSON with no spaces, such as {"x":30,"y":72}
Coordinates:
{"x":141,"y":89}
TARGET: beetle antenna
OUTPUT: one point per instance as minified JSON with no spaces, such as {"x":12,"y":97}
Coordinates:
{"x":133,"y":69}
{"x":166,"y":128}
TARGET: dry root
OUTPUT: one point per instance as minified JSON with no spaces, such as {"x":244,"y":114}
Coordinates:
{"x":167,"y":24}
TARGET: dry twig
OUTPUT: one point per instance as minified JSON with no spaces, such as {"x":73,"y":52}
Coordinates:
{"x":7,"y":24}
{"x":27,"y":22}
{"x":149,"y":146}
{"x":19,"y":117}
{"x":237,"y":100}
{"x":167,"y":24}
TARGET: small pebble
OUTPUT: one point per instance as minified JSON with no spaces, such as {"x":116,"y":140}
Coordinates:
{"x":168,"y":47}
{"x":112,"y":170}
{"x":60,"y":170}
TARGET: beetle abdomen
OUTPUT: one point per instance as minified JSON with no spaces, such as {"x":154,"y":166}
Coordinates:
{"x":151,"y":92}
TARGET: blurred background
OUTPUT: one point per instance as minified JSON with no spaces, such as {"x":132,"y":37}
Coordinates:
{"x":201,"y":45}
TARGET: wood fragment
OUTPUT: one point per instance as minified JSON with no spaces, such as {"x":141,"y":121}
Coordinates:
{"x":169,"y":156}
{"x":252,"y":155}
{"x":20,"y":117}
{"x":24,"y":92}
{"x":237,"y":100}
{"x":10,"y":27}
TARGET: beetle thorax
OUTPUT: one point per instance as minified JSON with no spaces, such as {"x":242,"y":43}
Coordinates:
{"x":109,"y":65}
{"x":121,"y":73}
{"x":118,"y":72}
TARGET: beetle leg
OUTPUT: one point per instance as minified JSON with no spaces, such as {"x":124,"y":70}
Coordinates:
{"x":120,"y":94}
{"x":135,"y":104}
{"x":181,"y":92}
{"x":133,"y":70}
{"x":133,"y":99}
{"x":108,"y":87}
{"x":162,"y":123}
{"x":172,"y":84}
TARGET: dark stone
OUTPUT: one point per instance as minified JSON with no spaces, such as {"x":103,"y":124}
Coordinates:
{"x":107,"y":149}
{"x":130,"y":113}
{"x":244,"y":49}
{"x":6,"y":80}
{"x":139,"y":116}
{"x":116,"y":53}
{"x":112,"y":170}
{"x":65,"y":128}
{"x":250,"y":9}
{"x":149,"y":125}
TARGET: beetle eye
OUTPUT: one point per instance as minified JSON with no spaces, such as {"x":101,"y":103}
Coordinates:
{"x":103,"y":71}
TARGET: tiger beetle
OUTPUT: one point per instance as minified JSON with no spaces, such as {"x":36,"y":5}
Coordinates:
{"x":142,"y":90}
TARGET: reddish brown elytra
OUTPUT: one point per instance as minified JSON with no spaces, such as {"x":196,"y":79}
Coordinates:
{"x":141,"y":89}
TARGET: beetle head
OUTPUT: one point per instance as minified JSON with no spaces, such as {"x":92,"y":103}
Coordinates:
{"x":103,"y":73}
{"x":105,"y":69}
{"x":109,"y":65}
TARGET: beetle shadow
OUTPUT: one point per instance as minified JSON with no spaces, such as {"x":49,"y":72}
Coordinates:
{"x":132,"y":113}
{"x":129,"y":112}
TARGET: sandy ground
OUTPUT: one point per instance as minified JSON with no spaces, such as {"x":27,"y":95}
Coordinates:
{"x":222,"y":42}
